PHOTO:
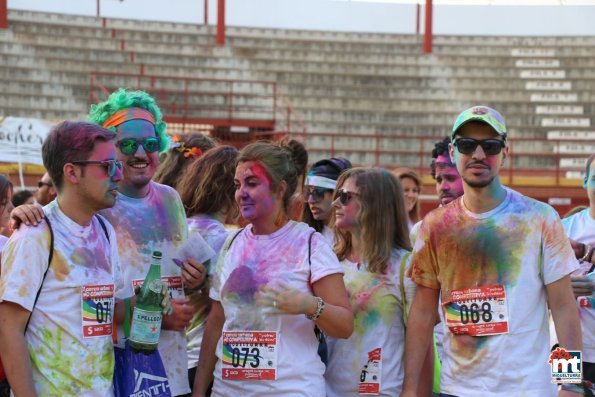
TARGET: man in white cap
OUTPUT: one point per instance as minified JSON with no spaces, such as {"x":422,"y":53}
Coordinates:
{"x":497,"y":259}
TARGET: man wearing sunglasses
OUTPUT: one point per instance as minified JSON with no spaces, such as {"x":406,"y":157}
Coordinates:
{"x":52,"y":345}
{"x":496,"y":259}
{"x":46,"y":192}
{"x":150,"y":217}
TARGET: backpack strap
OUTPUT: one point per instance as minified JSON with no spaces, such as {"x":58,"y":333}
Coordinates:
{"x":402,"y":287}
{"x":102,"y":223}
{"x":50,"y":257}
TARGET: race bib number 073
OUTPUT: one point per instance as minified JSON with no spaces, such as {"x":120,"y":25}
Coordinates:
{"x":249,"y":355}
{"x":478,"y":311}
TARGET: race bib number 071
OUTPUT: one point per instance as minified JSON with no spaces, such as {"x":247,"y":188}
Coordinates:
{"x":249,"y":355}
{"x":478,"y":311}
{"x":97,"y":303}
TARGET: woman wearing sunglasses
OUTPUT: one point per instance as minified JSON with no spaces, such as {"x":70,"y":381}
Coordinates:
{"x":373,"y":246}
{"x":274,"y":281}
{"x":320,"y":183}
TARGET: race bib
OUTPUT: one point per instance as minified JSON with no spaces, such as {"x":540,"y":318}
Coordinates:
{"x":369,"y":379}
{"x":174,"y":285}
{"x":249,"y":355}
{"x":478,"y":311}
{"x":97,"y":303}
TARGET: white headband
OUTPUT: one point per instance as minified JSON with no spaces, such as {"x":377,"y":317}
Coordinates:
{"x":320,"y":181}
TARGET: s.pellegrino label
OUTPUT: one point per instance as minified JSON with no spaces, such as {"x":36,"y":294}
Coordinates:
{"x":146,"y":318}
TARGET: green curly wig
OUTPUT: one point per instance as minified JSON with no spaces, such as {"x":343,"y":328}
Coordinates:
{"x":123,"y":99}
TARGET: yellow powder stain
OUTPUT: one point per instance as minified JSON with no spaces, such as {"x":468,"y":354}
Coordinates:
{"x":23,"y":290}
{"x":60,"y":266}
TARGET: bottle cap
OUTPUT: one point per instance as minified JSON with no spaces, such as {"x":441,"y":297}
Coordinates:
{"x":157,"y":254}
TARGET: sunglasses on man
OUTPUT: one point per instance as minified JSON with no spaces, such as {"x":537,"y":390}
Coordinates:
{"x":111,"y":166}
{"x":491,"y":147}
{"x":130,"y":145}
{"x":41,"y":184}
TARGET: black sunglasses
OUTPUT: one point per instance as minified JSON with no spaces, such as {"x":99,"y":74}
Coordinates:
{"x":345,"y":196}
{"x":490,"y":147}
{"x":41,"y":184}
{"x":111,"y":166}
{"x":317,"y":193}
{"x":130,"y":145}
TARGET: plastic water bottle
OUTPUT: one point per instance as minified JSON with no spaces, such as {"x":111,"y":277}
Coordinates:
{"x":146,"y":318}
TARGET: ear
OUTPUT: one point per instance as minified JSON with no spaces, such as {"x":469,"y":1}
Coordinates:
{"x":281,"y":189}
{"x":505,"y":154}
{"x":451,"y":152}
{"x":585,"y":180}
{"x":72,"y":174}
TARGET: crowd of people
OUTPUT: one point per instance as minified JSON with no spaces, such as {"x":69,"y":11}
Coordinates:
{"x":283,"y":280}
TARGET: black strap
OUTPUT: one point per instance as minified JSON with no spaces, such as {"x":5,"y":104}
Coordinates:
{"x":102,"y":223}
{"x":51,"y":256}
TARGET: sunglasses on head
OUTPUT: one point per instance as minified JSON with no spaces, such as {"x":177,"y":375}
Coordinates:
{"x":111,"y":166}
{"x":490,"y":147}
{"x":317,"y":193}
{"x":345,"y":196}
{"x":130,"y":145}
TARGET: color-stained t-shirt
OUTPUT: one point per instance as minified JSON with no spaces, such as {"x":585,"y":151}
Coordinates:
{"x":372,"y":358}
{"x":215,"y":234}
{"x":70,"y":332}
{"x":157,"y":222}
{"x":253,"y":262}
{"x":581,"y":227}
{"x":492,"y":270}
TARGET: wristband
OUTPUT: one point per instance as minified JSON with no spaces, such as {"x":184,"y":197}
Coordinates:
{"x":319,"y":309}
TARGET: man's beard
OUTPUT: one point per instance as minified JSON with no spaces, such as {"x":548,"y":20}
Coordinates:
{"x":478,"y":184}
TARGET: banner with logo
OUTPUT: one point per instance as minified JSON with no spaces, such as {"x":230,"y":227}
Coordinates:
{"x":21,"y":139}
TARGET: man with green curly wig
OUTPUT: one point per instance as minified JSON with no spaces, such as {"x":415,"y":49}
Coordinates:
{"x":150,"y":217}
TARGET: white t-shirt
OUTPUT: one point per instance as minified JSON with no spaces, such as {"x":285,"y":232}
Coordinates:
{"x":215,"y":234}
{"x":328,"y":234}
{"x":378,"y":309}
{"x":70,"y":332}
{"x":157,"y":222}
{"x":581,"y":227}
{"x":252,"y":262}
{"x":3,"y":241}
{"x":519,"y":247}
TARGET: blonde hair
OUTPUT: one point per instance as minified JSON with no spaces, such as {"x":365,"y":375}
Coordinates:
{"x":382,"y":217}
{"x":401,"y":173}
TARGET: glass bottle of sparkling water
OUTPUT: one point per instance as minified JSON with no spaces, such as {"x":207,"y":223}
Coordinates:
{"x":146,"y":318}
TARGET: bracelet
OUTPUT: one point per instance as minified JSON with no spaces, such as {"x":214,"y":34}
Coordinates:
{"x":588,"y":254}
{"x":319,"y":309}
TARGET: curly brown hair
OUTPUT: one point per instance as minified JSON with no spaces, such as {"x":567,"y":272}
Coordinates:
{"x":206,"y":186}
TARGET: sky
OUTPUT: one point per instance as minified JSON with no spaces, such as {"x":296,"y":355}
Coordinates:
{"x":345,"y":15}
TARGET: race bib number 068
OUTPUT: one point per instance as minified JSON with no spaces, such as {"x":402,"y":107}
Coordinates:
{"x":478,"y":311}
